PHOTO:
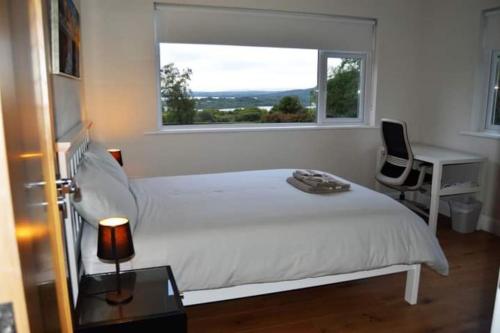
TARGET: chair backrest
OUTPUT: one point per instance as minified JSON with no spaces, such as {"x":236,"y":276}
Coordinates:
{"x":398,"y":157}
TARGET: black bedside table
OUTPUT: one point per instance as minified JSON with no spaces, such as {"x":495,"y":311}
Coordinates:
{"x":155,"y":307}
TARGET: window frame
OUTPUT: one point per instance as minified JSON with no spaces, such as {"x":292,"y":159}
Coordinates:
{"x":364,"y":107}
{"x":323,"y":56}
{"x":494,"y":67}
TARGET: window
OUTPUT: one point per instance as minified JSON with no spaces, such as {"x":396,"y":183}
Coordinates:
{"x":341,"y":90}
{"x":487,"y":94}
{"x":493,"y":95}
{"x":230,"y":67}
{"x":225,"y":84}
{"x":221,"y":84}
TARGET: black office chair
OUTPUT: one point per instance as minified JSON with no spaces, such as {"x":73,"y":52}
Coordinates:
{"x":397,"y":169}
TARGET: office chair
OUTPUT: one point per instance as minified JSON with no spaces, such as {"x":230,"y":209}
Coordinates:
{"x":397,"y":169}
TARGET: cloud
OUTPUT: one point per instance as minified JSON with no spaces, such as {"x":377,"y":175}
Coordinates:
{"x":220,"y":67}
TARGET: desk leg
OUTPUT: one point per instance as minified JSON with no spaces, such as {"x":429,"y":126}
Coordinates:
{"x":437,"y":170}
{"x":481,"y":181}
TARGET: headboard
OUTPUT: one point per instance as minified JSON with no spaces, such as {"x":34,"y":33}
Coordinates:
{"x":70,"y":149}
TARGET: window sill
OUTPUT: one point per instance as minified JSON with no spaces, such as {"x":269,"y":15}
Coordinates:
{"x":238,"y":129}
{"x":483,"y":134}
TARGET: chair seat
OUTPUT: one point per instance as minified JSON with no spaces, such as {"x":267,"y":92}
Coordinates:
{"x":391,"y":170}
{"x":412,"y":179}
{"x":411,"y":183}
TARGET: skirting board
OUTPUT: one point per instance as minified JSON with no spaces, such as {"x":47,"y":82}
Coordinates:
{"x":489,"y":224}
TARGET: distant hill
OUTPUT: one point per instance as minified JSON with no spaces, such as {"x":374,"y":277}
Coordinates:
{"x":241,"y":99}
{"x":252,"y":93}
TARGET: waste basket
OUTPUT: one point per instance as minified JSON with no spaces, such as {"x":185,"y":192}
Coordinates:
{"x":464,"y":214}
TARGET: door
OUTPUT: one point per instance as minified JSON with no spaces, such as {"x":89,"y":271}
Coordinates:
{"x":31,"y":230}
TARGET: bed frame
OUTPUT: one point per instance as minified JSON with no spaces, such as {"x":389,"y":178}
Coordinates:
{"x":70,"y":150}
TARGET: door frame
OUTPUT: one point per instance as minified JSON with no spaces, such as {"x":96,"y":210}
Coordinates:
{"x":47,"y":144}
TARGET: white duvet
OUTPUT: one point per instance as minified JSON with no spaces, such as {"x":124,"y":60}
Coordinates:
{"x":221,"y":230}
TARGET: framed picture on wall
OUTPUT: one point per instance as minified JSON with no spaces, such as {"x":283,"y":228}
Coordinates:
{"x":65,"y":36}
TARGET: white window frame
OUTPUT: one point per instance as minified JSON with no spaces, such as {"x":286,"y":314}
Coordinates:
{"x":322,"y":85}
{"x":492,"y":91}
{"x":364,"y":107}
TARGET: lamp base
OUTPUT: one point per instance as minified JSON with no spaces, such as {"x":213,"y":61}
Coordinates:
{"x":116,"y":298}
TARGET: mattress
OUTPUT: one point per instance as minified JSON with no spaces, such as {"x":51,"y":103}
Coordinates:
{"x":227,"y":229}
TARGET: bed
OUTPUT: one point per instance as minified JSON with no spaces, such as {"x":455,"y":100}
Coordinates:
{"x":241,"y":234}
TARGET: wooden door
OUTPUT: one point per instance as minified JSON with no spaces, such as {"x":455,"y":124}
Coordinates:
{"x":35,"y":276}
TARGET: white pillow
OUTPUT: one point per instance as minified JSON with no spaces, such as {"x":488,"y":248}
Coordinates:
{"x":105,"y":160}
{"x":102,"y":196}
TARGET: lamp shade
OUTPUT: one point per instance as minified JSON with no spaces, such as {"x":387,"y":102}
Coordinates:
{"x":117,"y":154}
{"x":114,"y":240}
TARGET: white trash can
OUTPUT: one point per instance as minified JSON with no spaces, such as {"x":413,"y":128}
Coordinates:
{"x":464,"y":214}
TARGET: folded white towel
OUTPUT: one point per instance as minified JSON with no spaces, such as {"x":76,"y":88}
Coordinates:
{"x":314,"y":181}
{"x":317,"y":178}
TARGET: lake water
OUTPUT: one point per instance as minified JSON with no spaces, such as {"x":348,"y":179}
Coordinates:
{"x":267,"y":108}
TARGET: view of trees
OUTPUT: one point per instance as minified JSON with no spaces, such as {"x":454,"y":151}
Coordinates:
{"x":342,"y":89}
{"x":242,"y":115}
{"x":289,"y":110}
{"x":245,"y":99}
{"x":179,"y":107}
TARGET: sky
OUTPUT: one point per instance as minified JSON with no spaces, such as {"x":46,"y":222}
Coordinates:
{"x":240,"y":68}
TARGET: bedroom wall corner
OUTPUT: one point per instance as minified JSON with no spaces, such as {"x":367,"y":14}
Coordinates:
{"x":489,"y":224}
{"x":448,"y":62}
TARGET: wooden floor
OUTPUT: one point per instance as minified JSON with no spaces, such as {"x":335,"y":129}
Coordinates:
{"x":461,"y":302}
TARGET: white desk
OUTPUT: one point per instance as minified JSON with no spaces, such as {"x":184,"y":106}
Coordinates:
{"x":440,"y":157}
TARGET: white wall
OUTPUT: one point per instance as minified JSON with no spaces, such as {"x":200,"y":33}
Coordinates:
{"x":67,"y":103}
{"x":120,"y":94}
{"x":448,"y":63}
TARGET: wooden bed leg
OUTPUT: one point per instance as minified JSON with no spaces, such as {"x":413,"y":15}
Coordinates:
{"x":412,"y":282}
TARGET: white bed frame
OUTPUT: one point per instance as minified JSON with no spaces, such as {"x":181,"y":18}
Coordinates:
{"x":70,"y":149}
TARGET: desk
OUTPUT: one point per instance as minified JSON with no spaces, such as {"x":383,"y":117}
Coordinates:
{"x":440,"y":157}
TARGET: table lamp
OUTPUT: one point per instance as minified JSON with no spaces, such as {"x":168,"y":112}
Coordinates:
{"x":114,"y":242}
{"x":117,"y":154}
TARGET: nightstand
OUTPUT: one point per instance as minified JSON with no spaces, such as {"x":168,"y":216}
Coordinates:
{"x":155,"y":307}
